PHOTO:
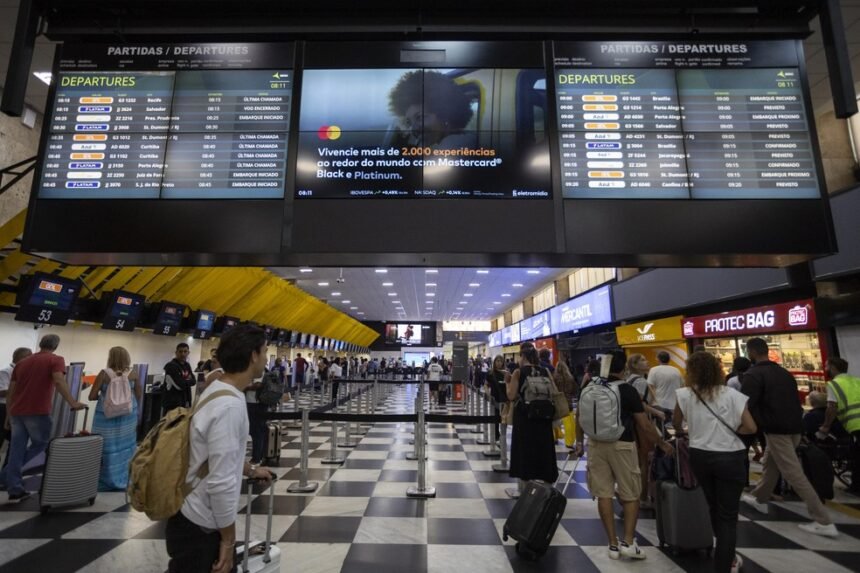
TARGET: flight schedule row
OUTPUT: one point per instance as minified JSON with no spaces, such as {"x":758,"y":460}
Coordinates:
{"x":715,"y":134}
{"x":176,"y":134}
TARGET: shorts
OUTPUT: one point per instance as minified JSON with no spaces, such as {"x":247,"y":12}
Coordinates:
{"x":611,"y":463}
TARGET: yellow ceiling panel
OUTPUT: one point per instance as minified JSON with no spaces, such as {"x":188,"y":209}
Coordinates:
{"x":13,"y":228}
{"x":143,"y":278}
{"x":13,"y":264}
{"x":120,"y":279}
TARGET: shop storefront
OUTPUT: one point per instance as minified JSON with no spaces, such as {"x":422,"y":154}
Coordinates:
{"x":653,"y":336}
{"x":790,"y":329}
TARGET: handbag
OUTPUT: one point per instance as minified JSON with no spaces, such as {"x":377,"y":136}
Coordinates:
{"x":562,"y":406}
{"x":506,"y":413}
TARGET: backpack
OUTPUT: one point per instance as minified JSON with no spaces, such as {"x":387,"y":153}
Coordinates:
{"x":600,"y":410}
{"x":272,"y":390}
{"x":538,"y":391}
{"x":118,"y":401}
{"x":158,"y":470}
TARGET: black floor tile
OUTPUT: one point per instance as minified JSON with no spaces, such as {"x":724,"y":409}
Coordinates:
{"x":444,"y":448}
{"x":458,"y":490}
{"x":399,"y":475}
{"x":155,"y":531}
{"x":49,"y":526}
{"x":462,"y":532}
{"x":500,"y":508}
{"x":347,"y":489}
{"x":850,"y":561}
{"x":494,"y":477}
{"x":373,"y":447}
{"x":61,"y":555}
{"x":448,"y":465}
{"x":307,"y":529}
{"x":379,"y":558}
{"x":29,"y":504}
{"x":395,"y":507}
{"x":351,"y":464}
{"x":314,"y":474}
{"x":590,"y":531}
{"x":754,"y":535}
{"x":284,"y":504}
{"x":555,"y":559}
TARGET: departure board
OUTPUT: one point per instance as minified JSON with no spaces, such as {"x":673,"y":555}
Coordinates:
{"x":169,"y":122}
{"x":667,"y":120}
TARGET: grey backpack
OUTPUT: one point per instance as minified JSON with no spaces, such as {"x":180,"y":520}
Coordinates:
{"x":600,"y":410}
{"x":538,"y":391}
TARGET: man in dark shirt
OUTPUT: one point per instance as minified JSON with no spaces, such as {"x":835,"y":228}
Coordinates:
{"x":775,"y":406}
{"x":178,"y":380}
{"x":617,"y":463}
{"x":299,"y":366}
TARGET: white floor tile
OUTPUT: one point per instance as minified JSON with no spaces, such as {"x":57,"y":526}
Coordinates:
{"x":386,"y":530}
{"x":477,"y":558}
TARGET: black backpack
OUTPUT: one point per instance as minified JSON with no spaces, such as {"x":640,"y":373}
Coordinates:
{"x":818,"y":469}
{"x":272,"y":390}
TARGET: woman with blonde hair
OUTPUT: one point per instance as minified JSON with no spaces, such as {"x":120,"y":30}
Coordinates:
{"x":119,"y":430}
{"x":716,"y":414}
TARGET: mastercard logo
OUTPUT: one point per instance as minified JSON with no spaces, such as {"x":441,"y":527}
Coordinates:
{"x":331,"y":132}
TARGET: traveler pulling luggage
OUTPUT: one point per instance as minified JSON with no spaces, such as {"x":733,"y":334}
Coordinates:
{"x":273,"y":444}
{"x":682,"y":510}
{"x":72,"y":466}
{"x":536,"y":515}
{"x":261,"y":556}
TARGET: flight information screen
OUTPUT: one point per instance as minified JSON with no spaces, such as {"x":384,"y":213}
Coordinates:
{"x":680,"y":120}
{"x":149,"y":122}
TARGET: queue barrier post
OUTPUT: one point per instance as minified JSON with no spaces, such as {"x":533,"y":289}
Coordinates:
{"x":303,"y":486}
{"x":422,"y":489}
{"x":359,"y":429}
{"x":413,"y":455}
{"x":333,"y":457}
{"x":348,"y":442}
{"x":476,"y":410}
{"x":485,"y":407}
{"x":366,"y":403}
{"x":503,"y":466}
{"x":493,"y":451}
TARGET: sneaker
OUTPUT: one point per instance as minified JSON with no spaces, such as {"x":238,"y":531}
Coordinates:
{"x":631,"y":551}
{"x":614,"y":554}
{"x":737,"y":564}
{"x":16,"y":497}
{"x":828,"y":530}
{"x":754,"y":503}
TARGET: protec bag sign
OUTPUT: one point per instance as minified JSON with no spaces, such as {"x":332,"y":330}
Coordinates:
{"x":791,"y":316}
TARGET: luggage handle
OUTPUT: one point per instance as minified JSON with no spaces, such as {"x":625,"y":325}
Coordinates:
{"x":570,"y":475}
{"x":84,"y":431}
{"x":246,"y":550}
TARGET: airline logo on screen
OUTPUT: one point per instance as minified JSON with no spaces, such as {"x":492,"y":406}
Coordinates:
{"x":50,"y":287}
{"x":123,"y":300}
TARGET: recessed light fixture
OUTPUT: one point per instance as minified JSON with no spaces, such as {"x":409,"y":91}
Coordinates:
{"x":306,"y":270}
{"x":44,"y":76}
{"x":497,"y":302}
{"x":392,"y":294}
{"x":517,"y":285}
{"x":533,"y":272}
{"x":396,"y":301}
{"x":431,"y":271}
{"x":462,"y":302}
{"x":381,"y":271}
{"x":473,"y":285}
{"x":505,"y":294}
{"x":459,"y":308}
{"x":335,"y":294}
{"x":322,"y":284}
{"x":430,"y":284}
{"x":353,"y":308}
{"x":468,"y":294}
{"x":483,"y":272}
{"x":431,"y":294}
{"x":387,"y":284}
{"x":360,"y":313}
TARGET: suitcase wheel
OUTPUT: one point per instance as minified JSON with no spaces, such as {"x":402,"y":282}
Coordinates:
{"x":45,"y":509}
{"x":526,"y":553}
{"x":92,"y":501}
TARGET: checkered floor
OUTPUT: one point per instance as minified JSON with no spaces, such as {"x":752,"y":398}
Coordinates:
{"x":360,"y":519}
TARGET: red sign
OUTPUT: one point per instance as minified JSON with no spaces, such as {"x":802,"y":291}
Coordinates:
{"x":792,"y":316}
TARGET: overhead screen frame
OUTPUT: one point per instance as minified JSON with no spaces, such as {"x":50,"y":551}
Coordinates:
{"x":565,"y":232}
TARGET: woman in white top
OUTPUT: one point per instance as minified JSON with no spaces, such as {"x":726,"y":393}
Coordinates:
{"x":715,"y":415}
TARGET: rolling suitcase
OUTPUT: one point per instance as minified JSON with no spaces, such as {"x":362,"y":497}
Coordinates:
{"x":261,"y":556}
{"x":72,"y":467}
{"x":273,"y":445}
{"x":683,"y":516}
{"x":535,"y":517}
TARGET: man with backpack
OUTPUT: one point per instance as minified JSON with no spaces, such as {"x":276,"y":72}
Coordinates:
{"x":611,"y":413}
{"x":201,"y":535}
{"x":178,"y":380}
{"x":776,"y":408}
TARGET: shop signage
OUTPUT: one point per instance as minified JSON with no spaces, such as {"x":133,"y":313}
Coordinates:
{"x":591,"y":309}
{"x":651,"y":332}
{"x":785,"y":317}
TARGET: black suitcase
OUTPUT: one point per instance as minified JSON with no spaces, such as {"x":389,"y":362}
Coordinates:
{"x":443,"y":396}
{"x":535,"y":518}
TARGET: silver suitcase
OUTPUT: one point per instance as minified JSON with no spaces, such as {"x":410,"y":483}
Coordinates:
{"x":72,"y":467}
{"x":262,"y":556}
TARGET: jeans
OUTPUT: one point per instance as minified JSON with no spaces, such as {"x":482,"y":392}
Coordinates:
{"x":33,"y":429}
{"x":722,"y":477}
{"x":257,"y":429}
{"x":191,"y":549}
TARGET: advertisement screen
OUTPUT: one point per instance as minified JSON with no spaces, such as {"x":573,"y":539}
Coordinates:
{"x":591,"y":309}
{"x":123,"y":311}
{"x":403,"y":333}
{"x":495,"y":338}
{"x":538,"y":326}
{"x":423,"y":133}
{"x":205,"y":320}
{"x":149,"y":128}
{"x":683,"y":120}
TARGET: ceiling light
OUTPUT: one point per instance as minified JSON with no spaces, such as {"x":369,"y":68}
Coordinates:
{"x":430,"y":284}
{"x":392,"y":294}
{"x":462,"y":302}
{"x":473,"y":285}
{"x":335,"y":294}
{"x":483,"y":272}
{"x":431,"y":294}
{"x":306,"y":270}
{"x":505,"y":294}
{"x":322,"y":284}
{"x":353,"y":308}
{"x":459,"y":308}
{"x":468,"y":294}
{"x":517,"y":285}
{"x":360,"y":313}
{"x":44,"y":76}
{"x":431,"y":271}
{"x":387,"y":284}
{"x":381,"y":271}
{"x":533,"y":272}
{"x":497,"y":302}
{"x":396,"y":301}
{"x":346,"y":301}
